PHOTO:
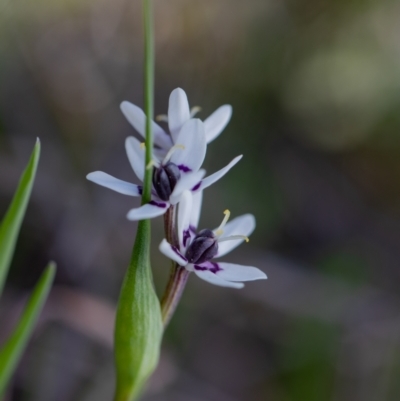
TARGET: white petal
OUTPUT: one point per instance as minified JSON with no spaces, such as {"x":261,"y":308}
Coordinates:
{"x":242,"y":225}
{"x":187,"y":181}
{"x":196,"y":210}
{"x":192,"y":137}
{"x":137,"y":119}
{"x":172,"y":252}
{"x":148,"y":211}
{"x":136,"y":156}
{"x":184,"y":213}
{"x":108,"y":181}
{"x":214,"y":279}
{"x":178,"y":112}
{"x":206,"y":182}
{"x":216,"y":123}
{"x":233,"y":272}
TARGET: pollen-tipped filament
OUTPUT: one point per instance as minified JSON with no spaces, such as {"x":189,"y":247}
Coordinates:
{"x":194,"y":111}
{"x":171,"y":152}
{"x":233,"y":237}
{"x":220,"y":230}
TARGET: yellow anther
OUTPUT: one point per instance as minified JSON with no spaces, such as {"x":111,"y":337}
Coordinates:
{"x":247,"y":239}
{"x":162,"y":117}
{"x":142,"y":145}
{"x":194,"y":111}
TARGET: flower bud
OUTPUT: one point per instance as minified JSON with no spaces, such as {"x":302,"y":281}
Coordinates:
{"x":165,"y":179}
{"x":203,"y":248}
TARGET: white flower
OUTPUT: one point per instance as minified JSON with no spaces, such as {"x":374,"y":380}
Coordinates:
{"x":178,"y":114}
{"x":197,"y":251}
{"x":179,"y":170}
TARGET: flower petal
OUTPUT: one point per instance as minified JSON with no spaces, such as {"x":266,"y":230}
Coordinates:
{"x":187,"y":181}
{"x":206,"y":182}
{"x":148,"y":211}
{"x":136,"y":156}
{"x":172,"y":252}
{"x":192,"y":137}
{"x":213,"y":278}
{"x":184,"y":214}
{"x":196,"y":210}
{"x":178,"y":112}
{"x":137,"y":119}
{"x":234,"y":272}
{"x":242,"y":225}
{"x":217,"y":121}
{"x":108,"y":181}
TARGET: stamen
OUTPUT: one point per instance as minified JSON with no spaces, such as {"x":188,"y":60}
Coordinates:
{"x":219,"y":231}
{"x":142,"y":145}
{"x":162,"y":117}
{"x":194,"y":111}
{"x":152,"y":163}
{"x":171,"y":152}
{"x":233,"y":237}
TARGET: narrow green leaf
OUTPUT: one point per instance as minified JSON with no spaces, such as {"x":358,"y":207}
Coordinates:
{"x":12,"y":350}
{"x":11,"y":224}
{"x":138,"y":327}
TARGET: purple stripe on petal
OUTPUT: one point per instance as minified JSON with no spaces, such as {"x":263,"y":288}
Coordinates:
{"x":192,"y":229}
{"x":176,"y":250}
{"x":210,"y":266}
{"x":140,"y":190}
{"x":158,"y":204}
{"x":196,"y":187}
{"x":186,"y":236}
{"x":184,"y":168}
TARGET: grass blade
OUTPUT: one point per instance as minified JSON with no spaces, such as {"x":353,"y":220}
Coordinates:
{"x":12,"y":350}
{"x":11,"y":224}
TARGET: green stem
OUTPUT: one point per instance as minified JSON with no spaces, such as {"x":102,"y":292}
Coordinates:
{"x":148,"y":94}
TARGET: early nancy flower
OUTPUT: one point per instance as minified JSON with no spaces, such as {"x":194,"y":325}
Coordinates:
{"x":178,"y":114}
{"x":196,"y":251}
{"x":177,"y":171}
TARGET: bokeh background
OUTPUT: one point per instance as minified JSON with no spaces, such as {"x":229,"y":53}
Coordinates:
{"x":315,"y":89}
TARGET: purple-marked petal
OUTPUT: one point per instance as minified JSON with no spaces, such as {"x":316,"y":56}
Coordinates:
{"x":197,"y":200}
{"x":136,"y":156}
{"x":187,"y":181}
{"x":242,"y":225}
{"x":215,"y":278}
{"x":206,"y":182}
{"x":172,"y":252}
{"x":184,"y":213}
{"x":217,"y":121}
{"x":178,"y":112}
{"x":148,"y":211}
{"x":184,"y":168}
{"x":192,"y":137}
{"x":234,"y":272}
{"x":213,"y":267}
{"x":117,"y":185}
{"x":137,"y":119}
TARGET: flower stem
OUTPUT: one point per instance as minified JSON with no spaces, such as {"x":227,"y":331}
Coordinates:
{"x":173,"y":292}
{"x":178,"y":276}
{"x":148,"y":94}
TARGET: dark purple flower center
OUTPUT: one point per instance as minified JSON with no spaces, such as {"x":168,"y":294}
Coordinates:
{"x":203,"y":248}
{"x":164,"y":180}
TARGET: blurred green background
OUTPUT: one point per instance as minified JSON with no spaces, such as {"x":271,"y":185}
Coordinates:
{"x":315,"y":90}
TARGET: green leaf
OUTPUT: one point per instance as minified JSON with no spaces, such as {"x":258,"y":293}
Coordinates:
{"x":11,"y":352}
{"x":11,"y":224}
{"x":138,"y":327}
